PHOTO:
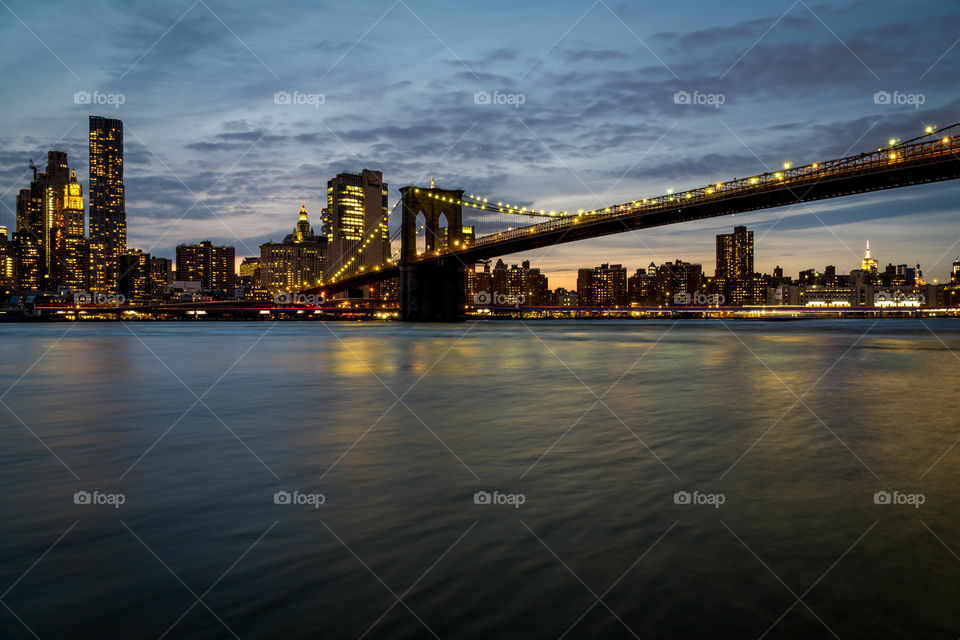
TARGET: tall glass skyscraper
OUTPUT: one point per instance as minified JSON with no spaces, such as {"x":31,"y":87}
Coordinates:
{"x":108,"y":217}
{"x":356,"y":223}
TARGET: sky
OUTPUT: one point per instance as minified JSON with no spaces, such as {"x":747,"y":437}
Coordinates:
{"x":587,"y":107}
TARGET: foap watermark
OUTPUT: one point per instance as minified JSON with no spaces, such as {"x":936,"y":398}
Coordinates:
{"x":500,"y":98}
{"x":512,"y":499}
{"x":99,"y":498}
{"x":709,"y":99}
{"x":100,"y":299}
{"x":297,"y":498}
{"x":296,"y":98}
{"x":96,"y":98}
{"x":898,"y":98}
{"x":712,"y":499}
{"x":495,"y":298}
{"x":308,"y":299}
{"x":698,"y":298}
{"x":912,"y":499}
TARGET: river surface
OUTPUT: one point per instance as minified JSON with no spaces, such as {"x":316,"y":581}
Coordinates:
{"x":548,"y":479}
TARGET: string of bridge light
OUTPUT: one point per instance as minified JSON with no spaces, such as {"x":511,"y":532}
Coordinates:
{"x":777,"y":176}
{"x":481,"y":203}
{"x":484,"y":204}
{"x":381,"y":226}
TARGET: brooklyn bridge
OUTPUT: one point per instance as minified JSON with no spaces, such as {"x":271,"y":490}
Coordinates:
{"x":432,"y":272}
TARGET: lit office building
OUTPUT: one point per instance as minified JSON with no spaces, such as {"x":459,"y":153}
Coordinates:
{"x":213,"y":267}
{"x":135,"y":275}
{"x":8,"y":277}
{"x":75,"y":249}
{"x":108,"y":218}
{"x":603,"y":286}
{"x":28,"y":261}
{"x":734,"y":278}
{"x":295,"y":264}
{"x":40,"y":213}
{"x":521,"y":283}
{"x":161,"y":275}
{"x":356,"y":223}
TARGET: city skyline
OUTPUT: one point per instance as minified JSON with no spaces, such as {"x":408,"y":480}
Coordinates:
{"x":536,"y":153}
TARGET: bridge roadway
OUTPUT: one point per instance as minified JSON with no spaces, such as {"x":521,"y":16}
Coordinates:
{"x":897,"y":166}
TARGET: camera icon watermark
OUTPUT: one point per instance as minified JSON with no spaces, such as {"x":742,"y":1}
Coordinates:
{"x":512,"y":499}
{"x":712,"y":499}
{"x":297,"y":99}
{"x":307,"y":299}
{"x":499,"y":98}
{"x":98,"y":498}
{"x":709,"y":99}
{"x":101,"y":299}
{"x":486,"y":298}
{"x":897,"y":98}
{"x":912,"y":499}
{"x":297,"y":498}
{"x":682,"y":298}
{"x":96,"y":98}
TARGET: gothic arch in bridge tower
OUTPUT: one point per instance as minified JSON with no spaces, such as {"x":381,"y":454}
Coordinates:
{"x":432,"y":203}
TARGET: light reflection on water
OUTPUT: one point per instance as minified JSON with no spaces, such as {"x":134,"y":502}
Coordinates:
{"x":598,"y":424}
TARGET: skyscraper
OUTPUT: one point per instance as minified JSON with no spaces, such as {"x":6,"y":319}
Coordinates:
{"x":41,"y":215}
{"x":108,"y":218}
{"x":734,"y":278}
{"x":356,"y":222}
{"x":75,"y":248}
{"x":735,"y":254}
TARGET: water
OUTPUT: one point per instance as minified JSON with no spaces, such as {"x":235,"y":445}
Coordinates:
{"x":197,"y":425}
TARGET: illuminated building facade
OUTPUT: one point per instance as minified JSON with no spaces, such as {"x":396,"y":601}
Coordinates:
{"x":642,"y":289}
{"x":8,"y":277}
{"x":161,"y":275}
{"x":296,"y":263}
{"x":108,"y":218}
{"x":41,"y":214}
{"x":135,"y":270}
{"x":75,"y":249}
{"x":521,"y":283}
{"x":603,"y":286}
{"x":734,"y":278}
{"x":356,"y":223}
{"x":735,"y":254}
{"x":28,"y":261}
{"x":869,"y":263}
{"x":213,"y":267}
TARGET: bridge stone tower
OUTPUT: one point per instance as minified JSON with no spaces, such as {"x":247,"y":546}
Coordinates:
{"x":431,"y":290}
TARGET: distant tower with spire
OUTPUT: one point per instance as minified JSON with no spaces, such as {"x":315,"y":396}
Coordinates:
{"x":869,"y":263}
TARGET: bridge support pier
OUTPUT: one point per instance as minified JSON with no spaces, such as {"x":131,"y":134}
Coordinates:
{"x":433,"y":292}
{"x":434,"y":289}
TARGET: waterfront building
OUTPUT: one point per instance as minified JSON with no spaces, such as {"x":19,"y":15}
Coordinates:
{"x":135,"y":275}
{"x":108,"y":217}
{"x":603,"y":286}
{"x":212,"y":266}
